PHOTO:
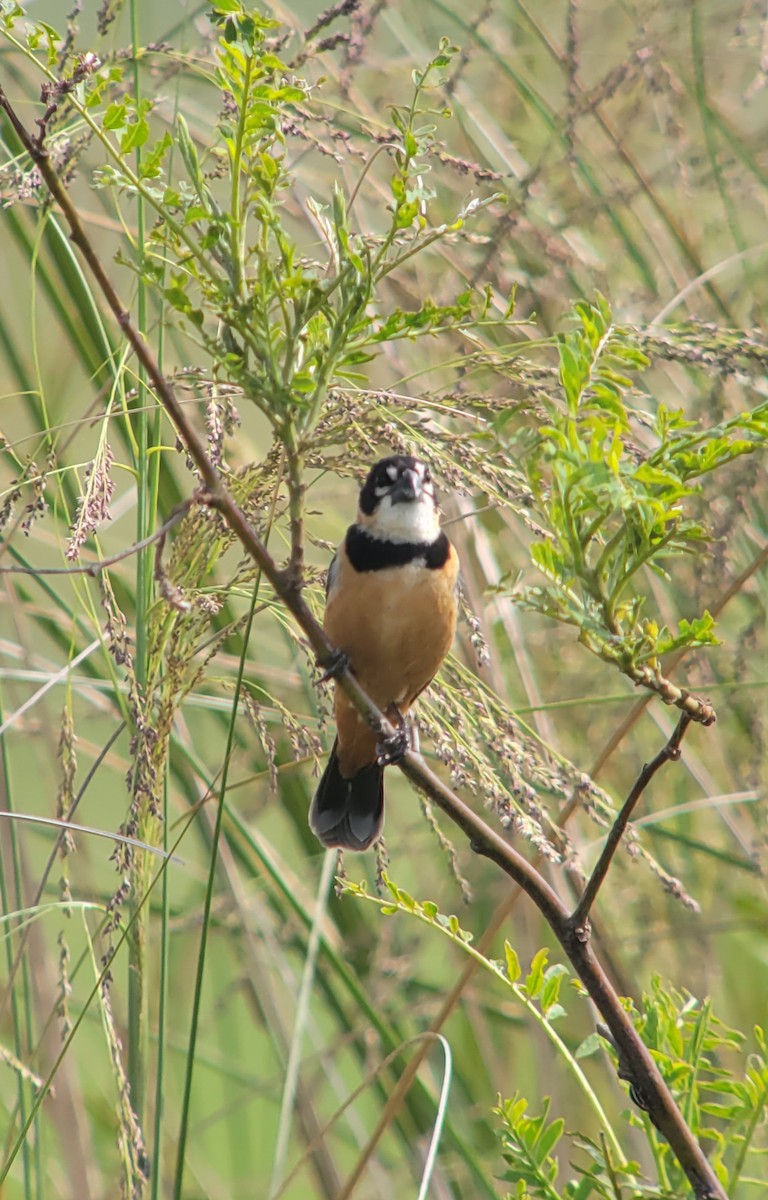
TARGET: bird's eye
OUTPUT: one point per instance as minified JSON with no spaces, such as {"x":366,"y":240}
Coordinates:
{"x":427,"y":475}
{"x":391,"y":473}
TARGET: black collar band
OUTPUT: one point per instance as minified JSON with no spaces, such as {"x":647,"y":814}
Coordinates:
{"x":367,"y":553}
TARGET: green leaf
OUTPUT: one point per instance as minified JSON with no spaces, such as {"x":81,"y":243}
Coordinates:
{"x":535,"y":978}
{"x":589,"y":1046}
{"x":549,"y":1139}
{"x":553,"y":979}
{"x":405,"y":214}
{"x":514,"y":970}
{"x":135,"y":136}
{"x":115,"y":115}
{"x":152,"y":162}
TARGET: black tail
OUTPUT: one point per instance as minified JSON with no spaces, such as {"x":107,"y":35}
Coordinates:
{"x":348,"y":813}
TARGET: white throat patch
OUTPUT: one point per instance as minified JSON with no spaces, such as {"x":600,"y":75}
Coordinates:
{"x":408,"y":521}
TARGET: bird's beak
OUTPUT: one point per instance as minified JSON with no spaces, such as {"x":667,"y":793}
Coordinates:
{"x":407,"y":489}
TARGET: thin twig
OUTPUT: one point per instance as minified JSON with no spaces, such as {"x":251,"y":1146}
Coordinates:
{"x":646,"y":1078}
{"x":669,"y":753}
{"x":637,"y":710}
{"x":102,"y":564}
{"x":296,"y":492}
{"x":692,"y":706}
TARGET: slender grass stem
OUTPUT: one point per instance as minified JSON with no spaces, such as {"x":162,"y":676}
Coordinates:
{"x":137,"y":962}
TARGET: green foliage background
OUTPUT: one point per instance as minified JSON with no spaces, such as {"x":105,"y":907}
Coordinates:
{"x":629,"y":141}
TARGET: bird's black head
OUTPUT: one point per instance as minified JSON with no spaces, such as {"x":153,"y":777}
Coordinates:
{"x":398,"y":502}
{"x":401,"y":478}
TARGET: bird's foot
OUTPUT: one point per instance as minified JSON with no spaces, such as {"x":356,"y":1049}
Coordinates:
{"x":392,"y":750}
{"x":335,"y":666}
{"x":406,"y":725}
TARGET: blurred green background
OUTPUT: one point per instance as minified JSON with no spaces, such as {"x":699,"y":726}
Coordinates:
{"x":630,"y":140}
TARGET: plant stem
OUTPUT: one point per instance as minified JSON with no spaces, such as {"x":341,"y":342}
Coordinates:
{"x":296,"y":490}
{"x":137,"y":942}
{"x":669,"y":753}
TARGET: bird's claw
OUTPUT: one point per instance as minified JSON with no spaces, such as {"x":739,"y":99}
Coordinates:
{"x":392,"y":750}
{"x":337,"y":665}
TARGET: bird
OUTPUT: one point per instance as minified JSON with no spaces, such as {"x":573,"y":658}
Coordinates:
{"x":391,"y":606}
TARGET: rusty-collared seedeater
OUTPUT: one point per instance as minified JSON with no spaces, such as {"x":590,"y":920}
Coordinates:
{"x":391,"y":610}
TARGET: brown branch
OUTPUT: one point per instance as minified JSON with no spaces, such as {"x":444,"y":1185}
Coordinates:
{"x":647,"y":1084}
{"x":296,"y":492}
{"x":691,"y":706}
{"x":646,"y":1078}
{"x":669,"y":753}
